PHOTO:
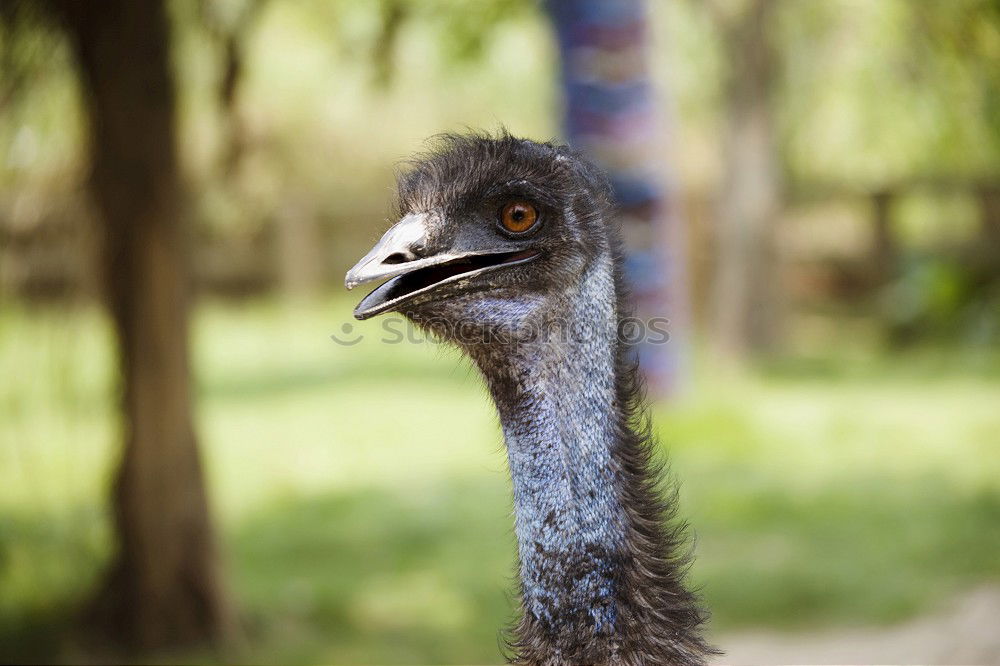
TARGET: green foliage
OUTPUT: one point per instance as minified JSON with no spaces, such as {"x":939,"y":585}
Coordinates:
{"x":879,"y":92}
{"x":363,"y":497}
{"x":942,"y":298}
{"x":466,"y":28}
{"x":39,"y":134}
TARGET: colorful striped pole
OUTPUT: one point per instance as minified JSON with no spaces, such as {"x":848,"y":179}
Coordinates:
{"x":613,"y":115}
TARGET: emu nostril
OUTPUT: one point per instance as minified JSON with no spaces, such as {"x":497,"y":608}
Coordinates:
{"x":398,"y":258}
{"x":412,"y":253}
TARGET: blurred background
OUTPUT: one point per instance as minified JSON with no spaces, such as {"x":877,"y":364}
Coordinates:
{"x":812,"y":191}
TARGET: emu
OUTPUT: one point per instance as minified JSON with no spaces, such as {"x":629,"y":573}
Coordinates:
{"x":508,"y":249}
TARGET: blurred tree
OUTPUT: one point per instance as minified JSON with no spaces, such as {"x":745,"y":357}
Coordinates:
{"x":230,"y":26}
{"x":613,"y":115}
{"x":747,"y":294}
{"x":164,"y":587}
{"x":391,"y":19}
{"x":464,"y":28}
{"x":13,"y":75}
{"x":300,"y":260}
{"x":962,"y":39}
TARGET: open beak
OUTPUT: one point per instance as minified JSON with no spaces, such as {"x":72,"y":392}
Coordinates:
{"x":410,"y":276}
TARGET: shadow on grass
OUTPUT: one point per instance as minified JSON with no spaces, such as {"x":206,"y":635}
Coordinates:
{"x":870,"y":552}
{"x":423,"y":574}
{"x":420,"y":575}
{"x":48,"y":565}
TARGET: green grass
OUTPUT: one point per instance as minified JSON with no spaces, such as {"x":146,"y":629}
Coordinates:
{"x":363,"y":500}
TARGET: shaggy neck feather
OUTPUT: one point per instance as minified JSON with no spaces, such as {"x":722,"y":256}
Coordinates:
{"x":601,"y":573}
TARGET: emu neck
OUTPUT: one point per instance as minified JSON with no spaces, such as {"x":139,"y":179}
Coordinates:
{"x":601,"y":572}
{"x":556,"y":399}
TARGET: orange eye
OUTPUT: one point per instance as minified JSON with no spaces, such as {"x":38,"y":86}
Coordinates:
{"x":518,"y":216}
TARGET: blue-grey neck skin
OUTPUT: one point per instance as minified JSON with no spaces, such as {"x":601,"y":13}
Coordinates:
{"x":557,"y":412}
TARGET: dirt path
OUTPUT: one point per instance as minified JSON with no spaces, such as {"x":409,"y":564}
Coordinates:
{"x":968,"y":632}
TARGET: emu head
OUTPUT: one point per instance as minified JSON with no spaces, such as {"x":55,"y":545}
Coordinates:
{"x":493,"y":232}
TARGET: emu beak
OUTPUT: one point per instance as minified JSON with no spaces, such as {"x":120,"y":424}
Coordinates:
{"x":394,"y":253}
{"x":410,"y":277}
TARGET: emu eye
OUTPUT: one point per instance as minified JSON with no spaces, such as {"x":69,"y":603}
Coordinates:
{"x":518,"y":216}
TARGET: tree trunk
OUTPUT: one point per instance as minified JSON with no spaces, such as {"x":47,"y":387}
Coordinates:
{"x":989,"y":213}
{"x":747,"y":295}
{"x":884,"y":254}
{"x":164,"y":589}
